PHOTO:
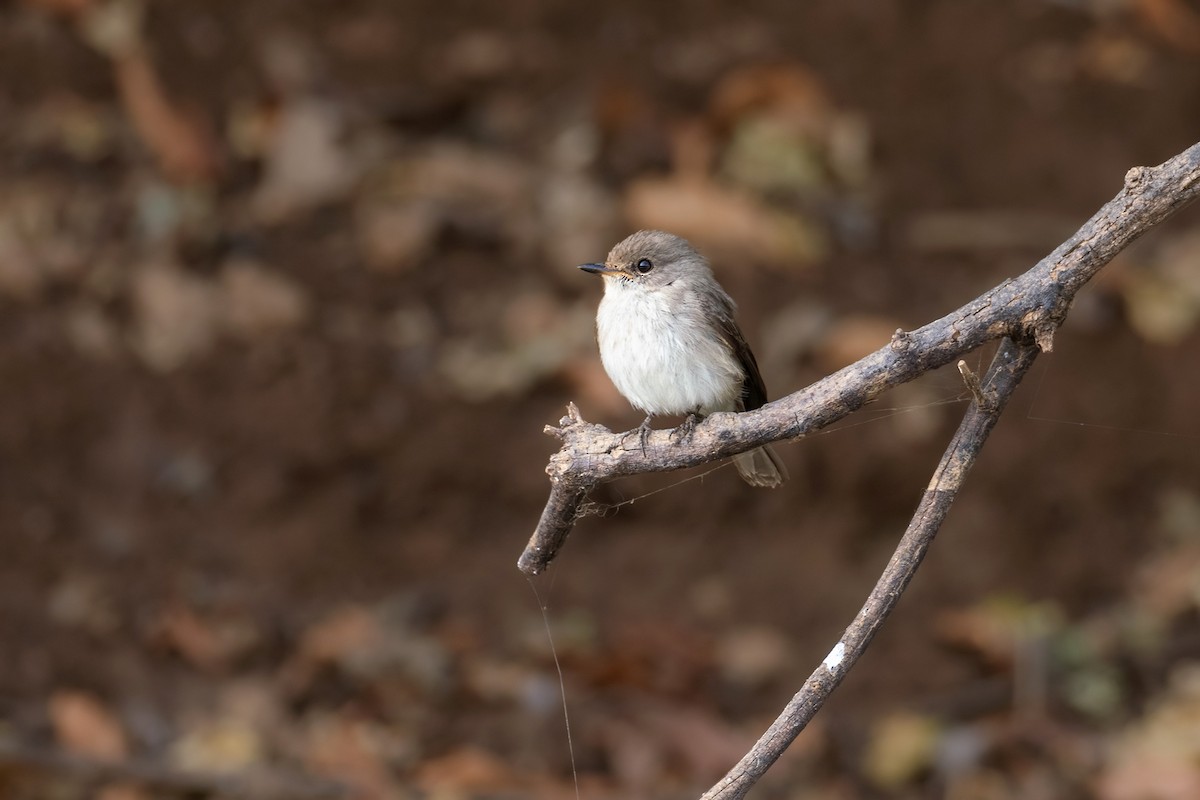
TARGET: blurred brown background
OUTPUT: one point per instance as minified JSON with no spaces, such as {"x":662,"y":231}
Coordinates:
{"x":287,"y":293}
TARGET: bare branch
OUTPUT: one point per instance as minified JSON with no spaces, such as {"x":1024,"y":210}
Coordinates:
{"x":1028,"y":308}
{"x":1011,"y":363}
{"x":972,"y":381}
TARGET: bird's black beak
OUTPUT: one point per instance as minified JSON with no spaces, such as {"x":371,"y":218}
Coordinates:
{"x":597,"y":269}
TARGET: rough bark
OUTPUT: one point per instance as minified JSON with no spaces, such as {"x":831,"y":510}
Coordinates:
{"x":1029,"y":308}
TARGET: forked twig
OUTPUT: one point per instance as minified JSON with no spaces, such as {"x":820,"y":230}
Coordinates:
{"x":1010,"y":364}
{"x":1027,"y":308}
{"x":1023,"y":312}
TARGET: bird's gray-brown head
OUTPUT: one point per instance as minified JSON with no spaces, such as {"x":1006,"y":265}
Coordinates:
{"x":653,"y":260}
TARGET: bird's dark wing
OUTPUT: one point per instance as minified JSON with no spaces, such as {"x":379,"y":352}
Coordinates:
{"x":754,"y":393}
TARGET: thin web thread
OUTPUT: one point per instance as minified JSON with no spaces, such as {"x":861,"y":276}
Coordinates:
{"x":1037,"y":393}
{"x":562,"y":685}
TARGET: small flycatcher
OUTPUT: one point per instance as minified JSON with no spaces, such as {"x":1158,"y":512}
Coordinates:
{"x":669,"y":342}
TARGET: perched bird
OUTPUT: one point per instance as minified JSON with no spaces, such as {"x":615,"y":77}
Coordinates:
{"x":669,"y":342}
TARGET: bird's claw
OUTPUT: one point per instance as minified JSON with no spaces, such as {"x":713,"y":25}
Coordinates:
{"x":644,"y":432}
{"x":683,"y":434}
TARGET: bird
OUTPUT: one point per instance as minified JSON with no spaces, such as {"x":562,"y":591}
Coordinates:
{"x":670,"y":344}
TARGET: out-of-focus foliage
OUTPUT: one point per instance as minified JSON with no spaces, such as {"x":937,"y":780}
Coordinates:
{"x":287,"y":293}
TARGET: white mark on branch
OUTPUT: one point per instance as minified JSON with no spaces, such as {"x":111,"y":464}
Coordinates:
{"x":834,"y":659}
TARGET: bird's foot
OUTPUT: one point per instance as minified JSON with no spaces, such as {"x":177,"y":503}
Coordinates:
{"x":643,"y":433}
{"x":683,"y":434}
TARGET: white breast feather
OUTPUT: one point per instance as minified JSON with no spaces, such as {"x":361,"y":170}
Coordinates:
{"x":663,"y":361}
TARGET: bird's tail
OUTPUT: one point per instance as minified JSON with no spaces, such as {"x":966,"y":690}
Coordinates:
{"x":761,"y":467}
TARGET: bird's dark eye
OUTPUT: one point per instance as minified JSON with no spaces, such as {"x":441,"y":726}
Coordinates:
{"x":644,"y":266}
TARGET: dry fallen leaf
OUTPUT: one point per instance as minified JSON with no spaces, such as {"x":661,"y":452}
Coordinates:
{"x":210,"y":644}
{"x":1162,"y":295}
{"x":1158,"y":756}
{"x":723,"y":221}
{"x":1158,"y":311}
{"x":752,"y":656}
{"x":484,"y":192}
{"x":902,"y":746}
{"x":259,"y":301}
{"x":219,"y":745}
{"x":122,"y":791}
{"x":765,"y":155}
{"x":468,"y":769}
{"x":637,"y":758}
{"x":339,"y":634}
{"x":307,"y":162}
{"x":81,"y":600}
{"x":355,"y":752}
{"x":476,"y":55}
{"x":630,"y":127}
{"x":21,"y":278}
{"x":177,"y":315}
{"x":1117,"y":58}
{"x":480,"y":370}
{"x":997,"y":628}
{"x":88,"y":131}
{"x":1173,"y":21}
{"x":782,"y":133}
{"x":91,"y":331}
{"x":181,"y":141}
{"x":396,"y":235}
{"x":787,"y":91}
{"x":86,"y":727}
{"x":181,"y":628}
{"x":653,"y":654}
{"x":1149,"y":776}
{"x":704,"y":742}
{"x":1168,"y":584}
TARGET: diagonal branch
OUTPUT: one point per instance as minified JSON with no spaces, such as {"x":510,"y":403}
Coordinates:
{"x":1029,"y":308}
{"x":1011,"y":363}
